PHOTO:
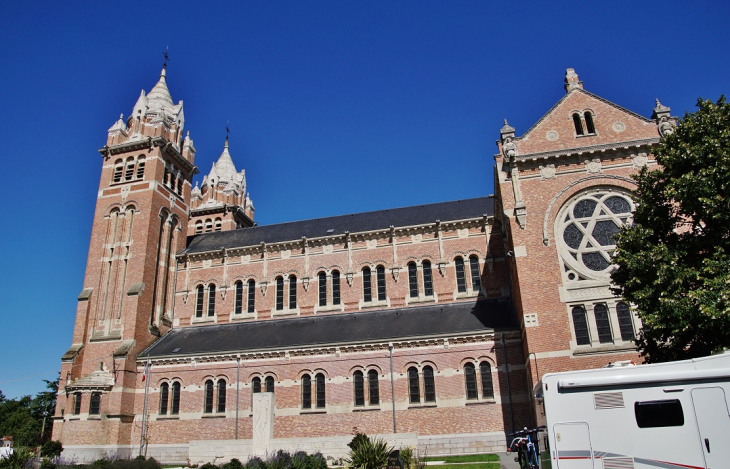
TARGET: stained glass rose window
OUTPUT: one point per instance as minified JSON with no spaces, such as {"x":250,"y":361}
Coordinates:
{"x":585,"y":231}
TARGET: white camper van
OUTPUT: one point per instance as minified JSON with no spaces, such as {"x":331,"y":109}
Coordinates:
{"x":662,"y":416}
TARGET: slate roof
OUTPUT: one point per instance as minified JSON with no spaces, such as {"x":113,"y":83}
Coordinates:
{"x":440,"y":320}
{"x":354,"y":223}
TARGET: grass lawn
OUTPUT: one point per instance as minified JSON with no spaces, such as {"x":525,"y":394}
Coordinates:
{"x":476,"y":465}
{"x":465,"y":458}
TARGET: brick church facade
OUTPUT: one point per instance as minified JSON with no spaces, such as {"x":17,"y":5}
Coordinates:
{"x":429,"y":325}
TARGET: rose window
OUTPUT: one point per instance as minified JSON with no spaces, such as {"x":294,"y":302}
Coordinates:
{"x":586,"y":230}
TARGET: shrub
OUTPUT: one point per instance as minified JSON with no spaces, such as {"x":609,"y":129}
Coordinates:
{"x":47,"y":463}
{"x":280,"y":460}
{"x":233,"y":464}
{"x":255,"y":463}
{"x":317,"y":461}
{"x":357,"y":440}
{"x":366,"y":453}
{"x":406,"y":455}
{"x":51,"y":449}
{"x":21,"y":458}
{"x":208,"y":465}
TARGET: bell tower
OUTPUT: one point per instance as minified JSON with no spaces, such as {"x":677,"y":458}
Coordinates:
{"x":127,"y":298}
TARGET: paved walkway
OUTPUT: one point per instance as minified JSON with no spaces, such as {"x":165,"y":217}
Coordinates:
{"x":507,"y":460}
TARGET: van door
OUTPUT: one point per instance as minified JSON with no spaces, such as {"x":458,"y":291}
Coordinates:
{"x":713,"y":424}
{"x":573,"y":445}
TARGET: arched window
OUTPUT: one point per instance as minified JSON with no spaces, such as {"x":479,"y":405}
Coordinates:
{"x":470,"y":376}
{"x":292,"y":291}
{"x":306,"y":392}
{"x":589,"y":123}
{"x":269,"y":384}
{"x":208,"y":225}
{"x":460,"y":275}
{"x":164,"y":397}
{"x":211,"y":300}
{"x":359,"y":382}
{"x":256,"y":385}
{"x":77,"y":403}
{"x":373,"y":388}
{"x":129,"y":169}
{"x":485,"y":369}
{"x":208,"y":404}
{"x":580,"y":325}
{"x":412,"y":280}
{"x":199,"y":301}
{"x":279,"y":293}
{"x":140,"y":167}
{"x":603,"y":324}
{"x":319,"y":379}
{"x":427,"y":279}
{"x":625,"y":324}
{"x":429,"y":387}
{"x":578,"y":124}
{"x":198,"y":227}
{"x":118,"y":170}
{"x":217,"y":224}
{"x":367,"y":291}
{"x":238,"y":304}
{"x":476,"y":283}
{"x":380,"y":271}
{"x":335,"y":287}
{"x":251,"y":296}
{"x":221,"y":395}
{"x":95,"y":404}
{"x":322,"y":281}
{"x":414,"y":388}
{"x":175,"y":398}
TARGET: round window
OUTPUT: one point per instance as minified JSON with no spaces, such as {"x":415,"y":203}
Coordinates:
{"x":585,"y":231}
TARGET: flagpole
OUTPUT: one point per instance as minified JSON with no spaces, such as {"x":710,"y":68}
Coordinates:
{"x":143,"y":433}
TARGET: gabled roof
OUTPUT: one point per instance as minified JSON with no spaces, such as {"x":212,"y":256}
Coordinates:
{"x":595,"y":96}
{"x":441,"y":320}
{"x":333,"y":226}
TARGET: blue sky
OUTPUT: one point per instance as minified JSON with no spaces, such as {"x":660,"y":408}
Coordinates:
{"x":334,"y":107}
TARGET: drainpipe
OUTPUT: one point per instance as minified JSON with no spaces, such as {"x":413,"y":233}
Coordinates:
{"x":392,"y":386}
{"x":238,"y":375}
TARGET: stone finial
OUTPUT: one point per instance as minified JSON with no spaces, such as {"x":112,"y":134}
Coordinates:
{"x":660,"y":110}
{"x":572,"y":81}
{"x":506,"y":129}
{"x":664,"y":121}
{"x":507,"y":134}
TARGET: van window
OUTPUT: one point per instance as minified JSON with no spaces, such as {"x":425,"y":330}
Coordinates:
{"x":666,"y":413}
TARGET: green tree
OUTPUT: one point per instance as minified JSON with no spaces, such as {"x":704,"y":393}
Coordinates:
{"x":23,"y":417}
{"x":674,"y":262}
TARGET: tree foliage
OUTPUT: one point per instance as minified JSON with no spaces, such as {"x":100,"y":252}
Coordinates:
{"x":674,"y":262}
{"x":23,"y":417}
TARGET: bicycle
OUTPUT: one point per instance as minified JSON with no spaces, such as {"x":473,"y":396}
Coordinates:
{"x":528,"y":453}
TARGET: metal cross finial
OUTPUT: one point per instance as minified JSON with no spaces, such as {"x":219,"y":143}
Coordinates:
{"x":164,"y":65}
{"x":227,"y":131}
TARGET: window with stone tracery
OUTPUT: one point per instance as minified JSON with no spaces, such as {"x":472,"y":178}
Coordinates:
{"x":585,"y":232}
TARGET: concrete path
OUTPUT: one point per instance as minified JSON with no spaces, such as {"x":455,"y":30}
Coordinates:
{"x":507,"y":460}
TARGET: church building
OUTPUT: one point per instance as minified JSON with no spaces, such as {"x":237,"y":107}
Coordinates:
{"x":201,"y":336}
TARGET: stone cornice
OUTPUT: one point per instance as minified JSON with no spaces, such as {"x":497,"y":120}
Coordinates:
{"x":385,"y":233}
{"x":647,"y":142}
{"x":335,"y":349}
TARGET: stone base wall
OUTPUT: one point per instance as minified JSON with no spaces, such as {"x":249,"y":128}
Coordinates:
{"x":463,"y":443}
{"x":165,"y":454}
{"x":221,"y":451}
